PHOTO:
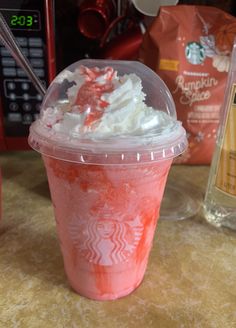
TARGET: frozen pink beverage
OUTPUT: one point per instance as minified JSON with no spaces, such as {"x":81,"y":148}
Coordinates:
{"x":107,"y":151}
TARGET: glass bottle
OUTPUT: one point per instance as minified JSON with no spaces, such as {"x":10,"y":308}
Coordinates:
{"x":220,"y":198}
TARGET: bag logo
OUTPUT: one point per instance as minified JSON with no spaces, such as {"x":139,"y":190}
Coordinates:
{"x":195,"y":53}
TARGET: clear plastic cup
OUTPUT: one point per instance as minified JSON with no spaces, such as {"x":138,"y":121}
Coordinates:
{"x":107,"y":192}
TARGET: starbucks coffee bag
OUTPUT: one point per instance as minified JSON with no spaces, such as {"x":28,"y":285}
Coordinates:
{"x":189,"y":47}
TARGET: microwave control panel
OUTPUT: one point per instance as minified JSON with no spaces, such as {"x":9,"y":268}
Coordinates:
{"x":20,"y":101}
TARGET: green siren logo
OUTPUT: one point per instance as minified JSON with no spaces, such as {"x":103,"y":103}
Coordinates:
{"x":195,"y":53}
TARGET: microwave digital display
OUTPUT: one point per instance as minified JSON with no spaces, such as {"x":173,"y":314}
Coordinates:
{"x":22,"y":19}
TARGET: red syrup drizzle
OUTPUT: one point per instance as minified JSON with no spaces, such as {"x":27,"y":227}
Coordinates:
{"x":89,"y":96}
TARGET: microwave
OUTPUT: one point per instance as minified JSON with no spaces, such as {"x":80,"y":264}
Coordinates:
{"x":32,"y":23}
{"x":47,"y":32}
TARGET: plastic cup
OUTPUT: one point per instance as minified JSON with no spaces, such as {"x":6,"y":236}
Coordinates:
{"x":107,"y":193}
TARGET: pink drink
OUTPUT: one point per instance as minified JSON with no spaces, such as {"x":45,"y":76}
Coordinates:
{"x":106,"y":217}
{"x":107,"y":155}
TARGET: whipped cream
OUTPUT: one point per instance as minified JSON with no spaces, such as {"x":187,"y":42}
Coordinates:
{"x":101,"y":105}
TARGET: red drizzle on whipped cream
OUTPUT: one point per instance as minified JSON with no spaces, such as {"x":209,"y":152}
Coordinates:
{"x":89,"y":97}
{"x":102,"y":104}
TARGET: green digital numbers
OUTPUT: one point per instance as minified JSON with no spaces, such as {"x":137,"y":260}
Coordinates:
{"x":14,"y":20}
{"x":23,"y":20}
{"x":29,"y":21}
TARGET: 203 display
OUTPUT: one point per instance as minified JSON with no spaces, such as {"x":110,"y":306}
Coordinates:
{"x":25,"y":19}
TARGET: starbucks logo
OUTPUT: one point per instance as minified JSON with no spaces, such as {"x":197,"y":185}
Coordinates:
{"x":195,"y":53}
{"x":106,"y":241}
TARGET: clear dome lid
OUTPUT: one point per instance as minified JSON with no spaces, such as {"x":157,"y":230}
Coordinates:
{"x":153,"y":145}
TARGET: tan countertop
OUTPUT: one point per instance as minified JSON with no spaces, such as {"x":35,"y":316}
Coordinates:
{"x":190,"y":280}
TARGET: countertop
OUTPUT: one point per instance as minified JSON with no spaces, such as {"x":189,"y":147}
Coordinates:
{"x":190,"y":280}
